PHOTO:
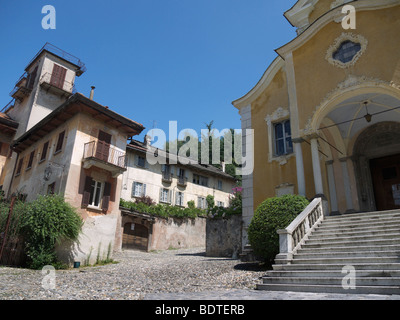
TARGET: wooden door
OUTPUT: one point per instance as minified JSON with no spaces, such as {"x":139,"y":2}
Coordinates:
{"x":386,"y":180}
{"x":103,"y":146}
{"x":135,"y":237}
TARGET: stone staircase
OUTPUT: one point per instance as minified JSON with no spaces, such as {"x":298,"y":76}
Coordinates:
{"x":369,"y":242}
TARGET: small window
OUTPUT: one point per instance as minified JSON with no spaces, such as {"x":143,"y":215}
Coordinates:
{"x":19,"y":168}
{"x":44,"y":151}
{"x":220,"y":204}
{"x":95,"y":194}
{"x":283,"y":138}
{"x":347,"y":51}
{"x":201,"y":203}
{"x":138,"y":189}
{"x":141,"y":162}
{"x":179,"y":201}
{"x":60,"y":141}
{"x":31,"y":156}
{"x":200,"y":180}
{"x":165,"y":195}
{"x":219,"y":185}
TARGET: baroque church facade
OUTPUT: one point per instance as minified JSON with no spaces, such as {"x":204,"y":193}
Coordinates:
{"x":326,"y":112}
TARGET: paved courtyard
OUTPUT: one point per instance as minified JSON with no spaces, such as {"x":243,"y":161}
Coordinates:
{"x":185,"y":274}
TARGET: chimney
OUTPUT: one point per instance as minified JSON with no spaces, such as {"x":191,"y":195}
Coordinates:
{"x":147,"y":140}
{"x":92,"y":92}
{"x":223,"y":166}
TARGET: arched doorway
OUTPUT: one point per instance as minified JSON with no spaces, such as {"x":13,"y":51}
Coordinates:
{"x":135,"y":237}
{"x":376,"y":160}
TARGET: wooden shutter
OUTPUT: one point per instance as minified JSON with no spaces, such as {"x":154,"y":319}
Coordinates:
{"x":44,"y":151}
{"x":60,"y":141}
{"x":106,"y":197}
{"x":103,"y":146}
{"x":86,"y":191}
{"x":58,"y":76}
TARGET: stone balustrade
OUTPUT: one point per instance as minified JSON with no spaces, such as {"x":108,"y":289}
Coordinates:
{"x":291,"y":238}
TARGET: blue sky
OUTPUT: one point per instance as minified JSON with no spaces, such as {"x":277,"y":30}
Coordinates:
{"x":153,"y":60}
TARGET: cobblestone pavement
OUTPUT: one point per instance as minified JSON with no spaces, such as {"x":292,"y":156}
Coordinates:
{"x":185,"y":274}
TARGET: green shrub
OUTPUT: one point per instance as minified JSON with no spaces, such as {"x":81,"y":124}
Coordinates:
{"x":271,"y":215}
{"x":163,"y":210}
{"x":46,"y":222}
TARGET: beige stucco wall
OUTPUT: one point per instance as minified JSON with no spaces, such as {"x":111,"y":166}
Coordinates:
{"x":175,"y":233}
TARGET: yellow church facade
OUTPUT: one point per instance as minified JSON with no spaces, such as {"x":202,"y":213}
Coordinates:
{"x":326,"y":112}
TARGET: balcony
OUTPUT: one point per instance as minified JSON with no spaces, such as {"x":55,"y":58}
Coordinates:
{"x":102,"y":155}
{"x":166,"y":177}
{"x":56,"y":85}
{"x":22,"y":88}
{"x":182,"y":181}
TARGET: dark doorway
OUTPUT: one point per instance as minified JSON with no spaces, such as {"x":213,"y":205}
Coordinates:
{"x":386,"y":180}
{"x":135,"y":237}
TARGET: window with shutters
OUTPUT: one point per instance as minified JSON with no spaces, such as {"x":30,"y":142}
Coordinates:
{"x":58,"y":76}
{"x":138,"y":189}
{"x":165,"y":195}
{"x":19,"y":168}
{"x":96,"y":194}
{"x":30,"y":162}
{"x":179,"y":199}
{"x":60,"y":142}
{"x":201,"y":203}
{"x":44,"y":152}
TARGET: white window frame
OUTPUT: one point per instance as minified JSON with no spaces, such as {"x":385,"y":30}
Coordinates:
{"x":179,"y":198}
{"x":201,"y":202}
{"x":165,"y":195}
{"x":92,"y":205}
{"x":140,"y":187}
{"x":285,"y":136}
{"x":220,"y":204}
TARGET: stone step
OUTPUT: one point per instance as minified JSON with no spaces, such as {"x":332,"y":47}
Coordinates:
{"x":357,"y":232}
{"x":387,"y":213}
{"x":342,"y":243}
{"x":336,"y":266}
{"x":333,"y":273}
{"x":347,"y":261}
{"x":322,"y":239}
{"x":366,"y":281}
{"x":346,"y":254}
{"x":385,"y":290}
{"x":359,"y":223}
{"x":347,"y":248}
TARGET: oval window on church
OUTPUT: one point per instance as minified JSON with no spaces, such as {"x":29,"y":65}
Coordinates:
{"x":346,"y":51}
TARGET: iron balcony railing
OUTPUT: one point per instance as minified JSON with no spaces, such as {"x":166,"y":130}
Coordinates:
{"x":8,"y":106}
{"x":182,"y":181}
{"x":167,"y":177}
{"x":102,"y":151}
{"x":61,"y":53}
{"x":65,"y":85}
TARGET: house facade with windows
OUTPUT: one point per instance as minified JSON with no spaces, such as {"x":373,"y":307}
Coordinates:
{"x":325,"y":113}
{"x":173,"y":184}
{"x":66,"y":143}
